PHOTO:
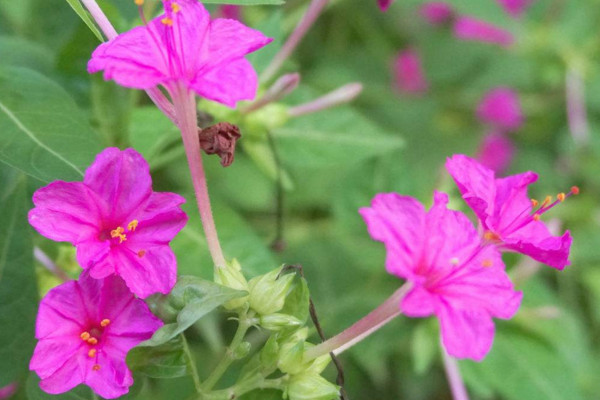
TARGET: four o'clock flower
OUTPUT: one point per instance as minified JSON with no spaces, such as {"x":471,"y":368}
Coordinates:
{"x":85,"y":329}
{"x":501,"y":108}
{"x":508,"y":217}
{"x":408,"y":72}
{"x":118,"y":224}
{"x":496,"y":151}
{"x":384,"y":4}
{"x":436,"y":12}
{"x":515,"y":7}
{"x":469,"y":28}
{"x":455,"y":276}
{"x":184,"y":47}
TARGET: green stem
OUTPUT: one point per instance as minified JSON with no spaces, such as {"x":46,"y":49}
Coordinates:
{"x":192,"y":365}
{"x":244,"y":387}
{"x":229,"y":356}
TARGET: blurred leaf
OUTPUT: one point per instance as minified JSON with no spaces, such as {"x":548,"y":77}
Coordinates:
{"x":150,"y":131}
{"x":425,"y":345}
{"x":18,"y":292}
{"x":19,"y":52}
{"x":34,"y":392}
{"x":194,"y":298}
{"x":43,"y":132}
{"x":165,"y":361}
{"x":83,"y":14}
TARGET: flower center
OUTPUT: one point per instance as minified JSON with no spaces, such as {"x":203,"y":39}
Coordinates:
{"x":92,"y":338}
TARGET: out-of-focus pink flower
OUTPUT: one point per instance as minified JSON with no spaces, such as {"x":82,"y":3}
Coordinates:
{"x":436,"y":12}
{"x":230,"y":12}
{"x":515,"y":7}
{"x":384,"y":4}
{"x":117,"y":222}
{"x":454,"y":275}
{"x":501,"y":108}
{"x":8,"y":390}
{"x":496,"y":152}
{"x":85,"y":329}
{"x":409,"y":74}
{"x":469,"y":28}
{"x":508,"y":217}
{"x":184,"y":47}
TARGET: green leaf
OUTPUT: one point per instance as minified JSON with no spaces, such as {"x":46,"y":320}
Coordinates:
{"x":297,"y":301}
{"x":424,"y":346}
{"x":83,"y":14}
{"x":18,"y":52}
{"x":34,"y":392}
{"x":150,"y":132}
{"x":194,"y":298}
{"x":165,"y":361}
{"x":43,"y":132}
{"x":18,"y":292}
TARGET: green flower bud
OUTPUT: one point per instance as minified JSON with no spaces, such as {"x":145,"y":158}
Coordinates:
{"x":277,"y":322}
{"x":232,"y":277}
{"x":268,"y":118}
{"x":269,"y":355}
{"x":290,"y":358}
{"x":242,"y":350}
{"x":310,"y":386}
{"x":267,"y":293}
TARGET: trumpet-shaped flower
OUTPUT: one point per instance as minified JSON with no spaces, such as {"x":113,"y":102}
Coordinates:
{"x":118,"y":224}
{"x":496,"y":151}
{"x":469,"y":28}
{"x":454,"y":275}
{"x":85,"y":329}
{"x":183,"y":46}
{"x":508,"y":217}
{"x":500,"y":107}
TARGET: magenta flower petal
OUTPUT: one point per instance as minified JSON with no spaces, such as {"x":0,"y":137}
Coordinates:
{"x":384,"y":4}
{"x":500,"y":107}
{"x":506,"y":213}
{"x":231,"y":40}
{"x":496,"y":152}
{"x":93,"y":353}
{"x":436,"y":12}
{"x":230,"y":12}
{"x":65,"y":211}
{"x":455,"y":275}
{"x":515,"y":8}
{"x":409,"y":73}
{"x":162,"y":220}
{"x":155,"y":271}
{"x":469,"y":28}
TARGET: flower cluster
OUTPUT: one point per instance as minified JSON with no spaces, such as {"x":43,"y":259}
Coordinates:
{"x":121,"y":229}
{"x":456,"y":270}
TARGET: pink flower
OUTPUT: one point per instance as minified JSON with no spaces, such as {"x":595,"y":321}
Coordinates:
{"x":230,"y":12}
{"x":496,"y":152}
{"x":500,"y":107}
{"x":454,"y":275}
{"x":118,"y":224}
{"x":85,"y":329}
{"x":409,"y":74}
{"x":184,"y":47}
{"x":469,"y":28}
{"x":8,"y":390}
{"x":436,"y":12}
{"x":507,"y":215}
{"x":384,"y":4}
{"x":515,"y":7}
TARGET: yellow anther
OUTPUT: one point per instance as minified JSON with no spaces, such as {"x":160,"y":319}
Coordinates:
{"x":175,"y":7}
{"x":575,"y":190}
{"x":104,"y":323}
{"x":547,"y":201}
{"x":167,"y":21}
{"x":534,"y":203}
{"x":561,"y":196}
{"x":487,"y":263}
{"x":85,"y":336}
{"x":536,"y":217}
{"x":96,"y":367}
{"x":141,"y":253}
{"x":454,"y":261}
{"x":132,"y":225}
{"x":139,"y":2}
{"x":489,"y":235}
{"x":92,"y":341}
{"x":118,"y":233}
{"x":92,"y":353}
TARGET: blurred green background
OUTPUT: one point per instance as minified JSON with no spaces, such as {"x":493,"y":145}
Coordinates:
{"x":332,"y":163}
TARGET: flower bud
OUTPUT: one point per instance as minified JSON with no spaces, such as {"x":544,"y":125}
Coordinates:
{"x":311,"y":386}
{"x":267,"y":293}
{"x":231,"y":276}
{"x":241,"y":351}
{"x":277,"y":321}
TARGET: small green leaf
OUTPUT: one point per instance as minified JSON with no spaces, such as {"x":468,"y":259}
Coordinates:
{"x":83,"y":14}
{"x":165,"y":361}
{"x":43,"y":132}
{"x":34,"y":392}
{"x":18,"y":292}
{"x":194,"y":297}
{"x":297,"y":301}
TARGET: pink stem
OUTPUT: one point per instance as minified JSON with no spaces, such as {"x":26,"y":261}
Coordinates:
{"x":185,"y":111}
{"x":312,"y":13}
{"x":576,"y":112}
{"x":377,"y":318}
{"x":457,"y":386}
{"x":155,"y":94}
{"x":341,"y":95}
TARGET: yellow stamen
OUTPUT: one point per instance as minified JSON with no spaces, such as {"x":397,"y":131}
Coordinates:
{"x":489,"y":235}
{"x":139,"y":2}
{"x":104,"y":323}
{"x":92,"y":341}
{"x":132,"y":225}
{"x":175,"y":7}
{"x":454,"y":261}
{"x":118,"y":233}
{"x":536,"y":217}
{"x":167,"y":21}
{"x":141,"y":253}
{"x":96,"y":367}
{"x":487,"y":263}
{"x":534,"y":203}
{"x":547,"y":201}
{"x":92,"y":353}
{"x":575,"y":190}
{"x":85,"y":336}
{"x":561,"y":196}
